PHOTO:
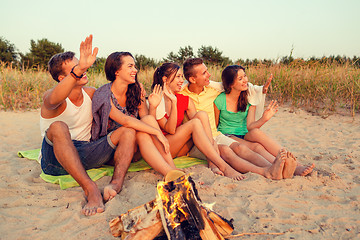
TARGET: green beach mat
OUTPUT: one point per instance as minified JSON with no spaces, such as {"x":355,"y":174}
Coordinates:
{"x":67,"y":181}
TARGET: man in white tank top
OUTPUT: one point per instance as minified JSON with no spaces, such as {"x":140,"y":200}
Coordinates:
{"x":65,"y":124}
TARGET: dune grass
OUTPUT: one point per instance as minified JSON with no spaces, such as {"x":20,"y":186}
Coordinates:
{"x":319,"y":87}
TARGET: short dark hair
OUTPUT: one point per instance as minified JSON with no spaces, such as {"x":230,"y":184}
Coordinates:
{"x":166,"y":69}
{"x":228,"y":76}
{"x":55,"y":64}
{"x":113,"y":63}
{"x":189,"y":65}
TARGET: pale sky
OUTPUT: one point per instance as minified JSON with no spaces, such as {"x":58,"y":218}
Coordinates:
{"x":240,"y":29}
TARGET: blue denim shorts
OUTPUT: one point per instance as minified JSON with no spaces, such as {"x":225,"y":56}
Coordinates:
{"x":238,"y":136}
{"x":92,"y":155}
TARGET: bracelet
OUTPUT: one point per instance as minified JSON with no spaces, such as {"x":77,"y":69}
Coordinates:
{"x":74,"y":74}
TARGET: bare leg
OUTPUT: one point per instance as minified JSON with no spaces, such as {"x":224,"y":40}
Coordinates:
{"x":256,"y":135}
{"x":124,"y":138}
{"x":273,"y":147}
{"x":151,"y":154}
{"x":195,"y":129}
{"x":247,"y":154}
{"x":256,"y":147}
{"x":273,"y":171}
{"x":67,"y":155}
{"x":167,"y":156}
{"x":185,"y":149}
{"x":204,"y":118}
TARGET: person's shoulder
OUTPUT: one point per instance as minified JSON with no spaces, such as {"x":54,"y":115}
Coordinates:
{"x":46,"y":105}
{"x":218,"y":86}
{"x":101,"y":96}
{"x":106,"y":88}
{"x":222,"y":95}
{"x":90,"y":91}
{"x":219,"y":100}
{"x":211,"y":91}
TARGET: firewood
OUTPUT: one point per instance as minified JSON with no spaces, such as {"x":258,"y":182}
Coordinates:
{"x":177,"y":203}
{"x":125,"y":222}
{"x":146,"y":233}
{"x":224,"y":226}
{"x":209,"y":232}
{"x":177,"y":211}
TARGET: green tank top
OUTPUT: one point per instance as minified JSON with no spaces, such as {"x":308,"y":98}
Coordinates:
{"x":231,"y":122}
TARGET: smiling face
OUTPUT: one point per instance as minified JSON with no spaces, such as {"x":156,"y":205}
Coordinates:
{"x":127,"y":71}
{"x":175,"y":81}
{"x":240,"y":82}
{"x":201,"y":75}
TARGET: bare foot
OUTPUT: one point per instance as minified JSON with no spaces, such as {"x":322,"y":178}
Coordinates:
{"x":233,"y":174}
{"x":94,"y":202}
{"x":304,"y":170}
{"x":110,"y":191}
{"x":215,"y":169}
{"x":290,"y":164}
{"x":275,"y":171}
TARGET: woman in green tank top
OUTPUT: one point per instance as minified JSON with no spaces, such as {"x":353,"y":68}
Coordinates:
{"x":236,"y":117}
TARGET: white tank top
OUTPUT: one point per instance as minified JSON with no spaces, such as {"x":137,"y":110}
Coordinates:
{"x":78,"y":119}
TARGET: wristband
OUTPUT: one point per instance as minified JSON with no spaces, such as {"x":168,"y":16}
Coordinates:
{"x":74,"y":74}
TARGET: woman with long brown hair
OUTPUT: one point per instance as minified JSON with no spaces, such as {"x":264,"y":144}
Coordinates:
{"x":235,"y":116}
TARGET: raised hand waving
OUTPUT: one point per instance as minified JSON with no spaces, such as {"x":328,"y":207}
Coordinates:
{"x":156,"y":96}
{"x":87,"y":54}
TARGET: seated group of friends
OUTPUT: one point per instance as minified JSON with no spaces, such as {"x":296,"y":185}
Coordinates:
{"x":84,"y":128}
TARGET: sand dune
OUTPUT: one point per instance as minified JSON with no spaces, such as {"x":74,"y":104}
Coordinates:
{"x":325,"y":205}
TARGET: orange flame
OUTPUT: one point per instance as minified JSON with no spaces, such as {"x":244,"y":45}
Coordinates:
{"x":176,"y":196}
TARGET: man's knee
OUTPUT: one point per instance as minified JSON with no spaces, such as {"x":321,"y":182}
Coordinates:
{"x":128,"y":134}
{"x":57,"y":129}
{"x":124,"y":135}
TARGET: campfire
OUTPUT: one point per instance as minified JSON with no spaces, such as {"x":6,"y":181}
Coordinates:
{"x":176,"y":213}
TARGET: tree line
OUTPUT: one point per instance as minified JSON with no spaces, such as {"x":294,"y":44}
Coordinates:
{"x":41,"y":51}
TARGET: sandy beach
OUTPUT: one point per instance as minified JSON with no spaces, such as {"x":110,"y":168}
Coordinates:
{"x":324,"y":205}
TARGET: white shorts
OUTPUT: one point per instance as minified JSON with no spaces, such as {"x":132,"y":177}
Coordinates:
{"x":220,"y":140}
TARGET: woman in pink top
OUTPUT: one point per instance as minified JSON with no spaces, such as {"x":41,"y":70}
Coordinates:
{"x":169,"y":108}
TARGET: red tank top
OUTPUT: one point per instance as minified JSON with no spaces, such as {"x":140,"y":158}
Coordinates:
{"x":182,"y":106}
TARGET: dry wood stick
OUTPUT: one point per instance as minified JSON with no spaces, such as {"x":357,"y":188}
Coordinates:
{"x":243,"y":234}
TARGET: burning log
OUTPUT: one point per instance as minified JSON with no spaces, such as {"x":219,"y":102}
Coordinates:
{"x":222,"y":225}
{"x":177,"y":211}
{"x":180,"y":204}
